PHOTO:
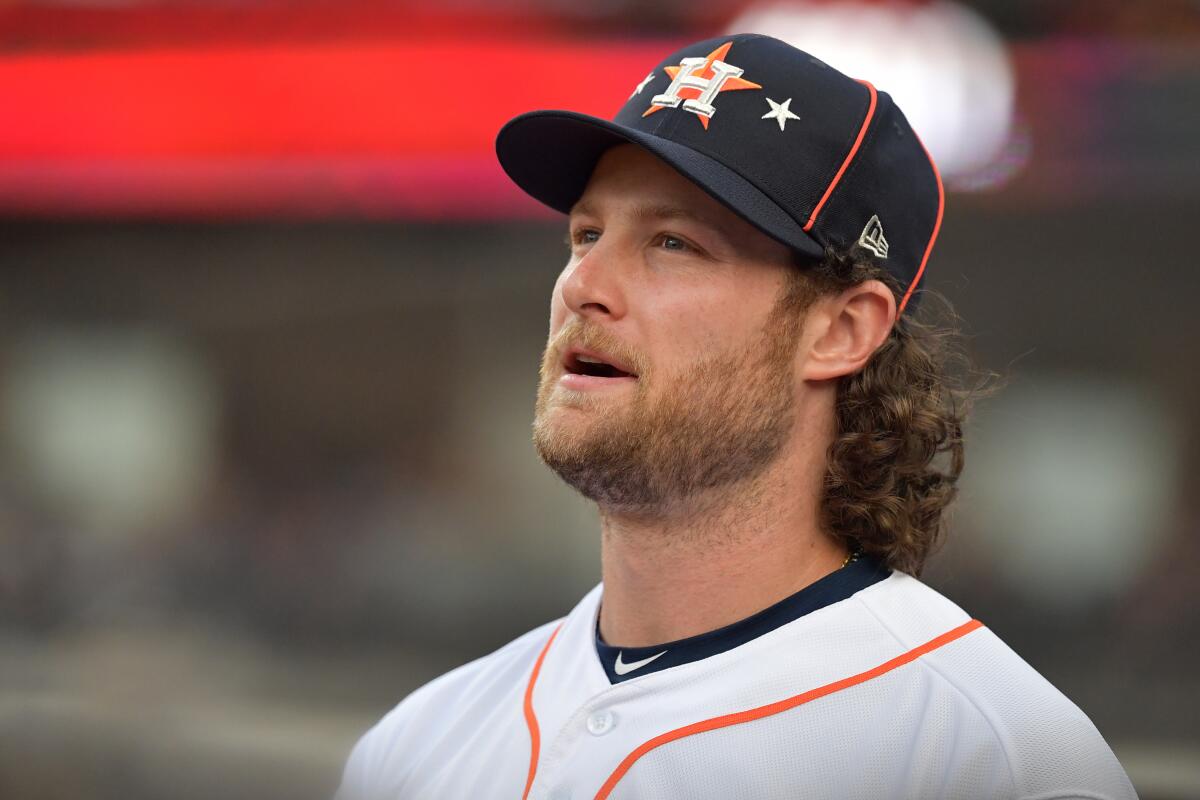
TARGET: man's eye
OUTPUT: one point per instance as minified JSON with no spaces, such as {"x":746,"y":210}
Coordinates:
{"x":585,"y":236}
{"x":670,"y":242}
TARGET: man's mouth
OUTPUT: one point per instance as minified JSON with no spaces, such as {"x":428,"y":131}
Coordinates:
{"x":583,"y":368}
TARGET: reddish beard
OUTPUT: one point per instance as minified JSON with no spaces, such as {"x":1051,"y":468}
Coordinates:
{"x":718,"y":422}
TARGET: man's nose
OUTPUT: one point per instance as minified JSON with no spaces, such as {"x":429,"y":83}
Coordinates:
{"x":595,"y":285}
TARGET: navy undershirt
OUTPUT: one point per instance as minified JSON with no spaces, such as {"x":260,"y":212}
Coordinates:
{"x":835,"y":586}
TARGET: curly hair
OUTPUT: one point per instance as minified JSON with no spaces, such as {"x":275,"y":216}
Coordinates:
{"x":894,"y":464}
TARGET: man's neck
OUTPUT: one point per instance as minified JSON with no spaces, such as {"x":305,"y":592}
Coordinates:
{"x":718,"y":560}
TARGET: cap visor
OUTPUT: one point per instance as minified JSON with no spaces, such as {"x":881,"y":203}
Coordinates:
{"x":551,"y":155}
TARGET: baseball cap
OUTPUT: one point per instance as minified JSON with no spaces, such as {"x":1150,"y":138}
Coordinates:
{"x":809,"y":156}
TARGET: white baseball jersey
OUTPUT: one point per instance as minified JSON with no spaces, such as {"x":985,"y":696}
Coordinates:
{"x":890,"y":691}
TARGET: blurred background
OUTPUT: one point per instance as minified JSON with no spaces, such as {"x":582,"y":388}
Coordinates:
{"x":271,"y":315}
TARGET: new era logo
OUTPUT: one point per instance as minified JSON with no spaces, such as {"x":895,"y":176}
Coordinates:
{"x":873,"y":239}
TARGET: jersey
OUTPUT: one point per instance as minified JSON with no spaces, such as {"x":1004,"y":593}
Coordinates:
{"x":890,"y":692}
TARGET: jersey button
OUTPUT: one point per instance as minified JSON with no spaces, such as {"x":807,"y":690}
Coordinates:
{"x":601,"y":723}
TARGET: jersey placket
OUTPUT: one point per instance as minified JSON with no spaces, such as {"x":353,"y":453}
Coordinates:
{"x":588,"y":746}
{"x":583,"y":721}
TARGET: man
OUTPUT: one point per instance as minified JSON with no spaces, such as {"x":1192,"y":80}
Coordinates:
{"x":734,"y":377}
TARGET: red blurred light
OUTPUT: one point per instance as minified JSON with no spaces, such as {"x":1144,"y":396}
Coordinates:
{"x":285,"y":128}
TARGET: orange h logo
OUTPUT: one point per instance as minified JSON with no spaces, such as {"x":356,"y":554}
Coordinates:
{"x":696,"y":82}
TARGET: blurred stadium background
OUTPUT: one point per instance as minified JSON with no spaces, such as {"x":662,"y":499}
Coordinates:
{"x":270,"y":320}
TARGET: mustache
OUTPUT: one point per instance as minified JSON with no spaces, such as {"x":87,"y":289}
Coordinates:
{"x":589,"y":336}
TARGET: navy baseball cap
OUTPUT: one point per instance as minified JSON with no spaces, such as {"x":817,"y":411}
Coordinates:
{"x":809,"y":156}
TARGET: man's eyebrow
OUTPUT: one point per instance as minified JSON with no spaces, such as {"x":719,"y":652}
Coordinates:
{"x":655,"y":211}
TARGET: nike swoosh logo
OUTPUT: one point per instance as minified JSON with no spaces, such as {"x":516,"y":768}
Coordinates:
{"x":621,"y":668}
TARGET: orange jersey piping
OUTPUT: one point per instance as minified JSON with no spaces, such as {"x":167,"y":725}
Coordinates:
{"x":782,"y":705}
{"x":535,"y":737}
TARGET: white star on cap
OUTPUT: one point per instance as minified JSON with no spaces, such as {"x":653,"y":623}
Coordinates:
{"x":780,"y":112}
{"x":642,"y":85}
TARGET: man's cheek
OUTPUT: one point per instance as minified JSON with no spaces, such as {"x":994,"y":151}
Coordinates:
{"x":558,"y":309}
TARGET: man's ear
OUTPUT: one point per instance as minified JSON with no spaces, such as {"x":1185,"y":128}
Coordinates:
{"x":847,"y":329}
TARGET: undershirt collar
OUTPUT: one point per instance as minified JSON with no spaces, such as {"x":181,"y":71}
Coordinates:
{"x":834,"y":587}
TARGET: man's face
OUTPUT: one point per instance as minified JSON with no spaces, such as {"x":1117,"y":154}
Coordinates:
{"x":669,"y":368}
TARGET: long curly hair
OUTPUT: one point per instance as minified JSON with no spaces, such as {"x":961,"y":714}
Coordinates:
{"x":894,"y":464}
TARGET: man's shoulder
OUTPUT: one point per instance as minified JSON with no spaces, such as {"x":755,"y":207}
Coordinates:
{"x":487,"y":682}
{"x":977,"y":663}
{"x":1046,"y":738}
{"x":912,"y":611}
{"x":500,"y":667}
{"x":496,"y":672}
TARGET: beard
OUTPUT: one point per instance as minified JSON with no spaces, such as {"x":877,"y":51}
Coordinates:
{"x":719,"y":422}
